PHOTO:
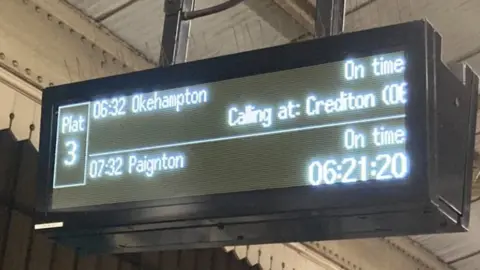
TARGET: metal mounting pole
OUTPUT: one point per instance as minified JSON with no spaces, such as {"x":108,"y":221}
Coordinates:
{"x":176,"y":31}
{"x":330,"y":18}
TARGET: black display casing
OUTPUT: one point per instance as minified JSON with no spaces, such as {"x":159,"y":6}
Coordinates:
{"x":434,"y":198}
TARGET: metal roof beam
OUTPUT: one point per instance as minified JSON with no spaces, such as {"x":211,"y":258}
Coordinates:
{"x":92,"y":32}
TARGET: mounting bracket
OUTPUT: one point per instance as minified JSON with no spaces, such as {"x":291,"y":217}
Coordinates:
{"x":174,"y":46}
{"x":330,"y":17}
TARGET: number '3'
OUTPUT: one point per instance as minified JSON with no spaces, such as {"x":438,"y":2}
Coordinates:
{"x":71,"y":152}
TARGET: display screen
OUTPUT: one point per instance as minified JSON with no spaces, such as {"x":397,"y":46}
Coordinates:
{"x":338,"y":123}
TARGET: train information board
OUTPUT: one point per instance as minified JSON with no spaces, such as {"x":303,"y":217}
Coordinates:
{"x":338,"y":123}
{"x":364,"y":134}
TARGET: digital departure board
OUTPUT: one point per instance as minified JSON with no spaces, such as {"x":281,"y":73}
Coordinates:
{"x":338,"y":123}
{"x":364,"y":134}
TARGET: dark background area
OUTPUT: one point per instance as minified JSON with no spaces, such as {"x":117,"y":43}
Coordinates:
{"x":22,"y":248}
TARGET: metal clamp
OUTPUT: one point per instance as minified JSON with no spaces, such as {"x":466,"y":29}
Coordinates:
{"x":174,"y":45}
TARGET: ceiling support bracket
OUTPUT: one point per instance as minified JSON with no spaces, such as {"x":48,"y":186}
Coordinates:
{"x":176,"y":27}
{"x":330,"y":18}
{"x":176,"y":31}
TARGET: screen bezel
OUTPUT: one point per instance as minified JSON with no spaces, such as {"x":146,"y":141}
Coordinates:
{"x":409,"y":38}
